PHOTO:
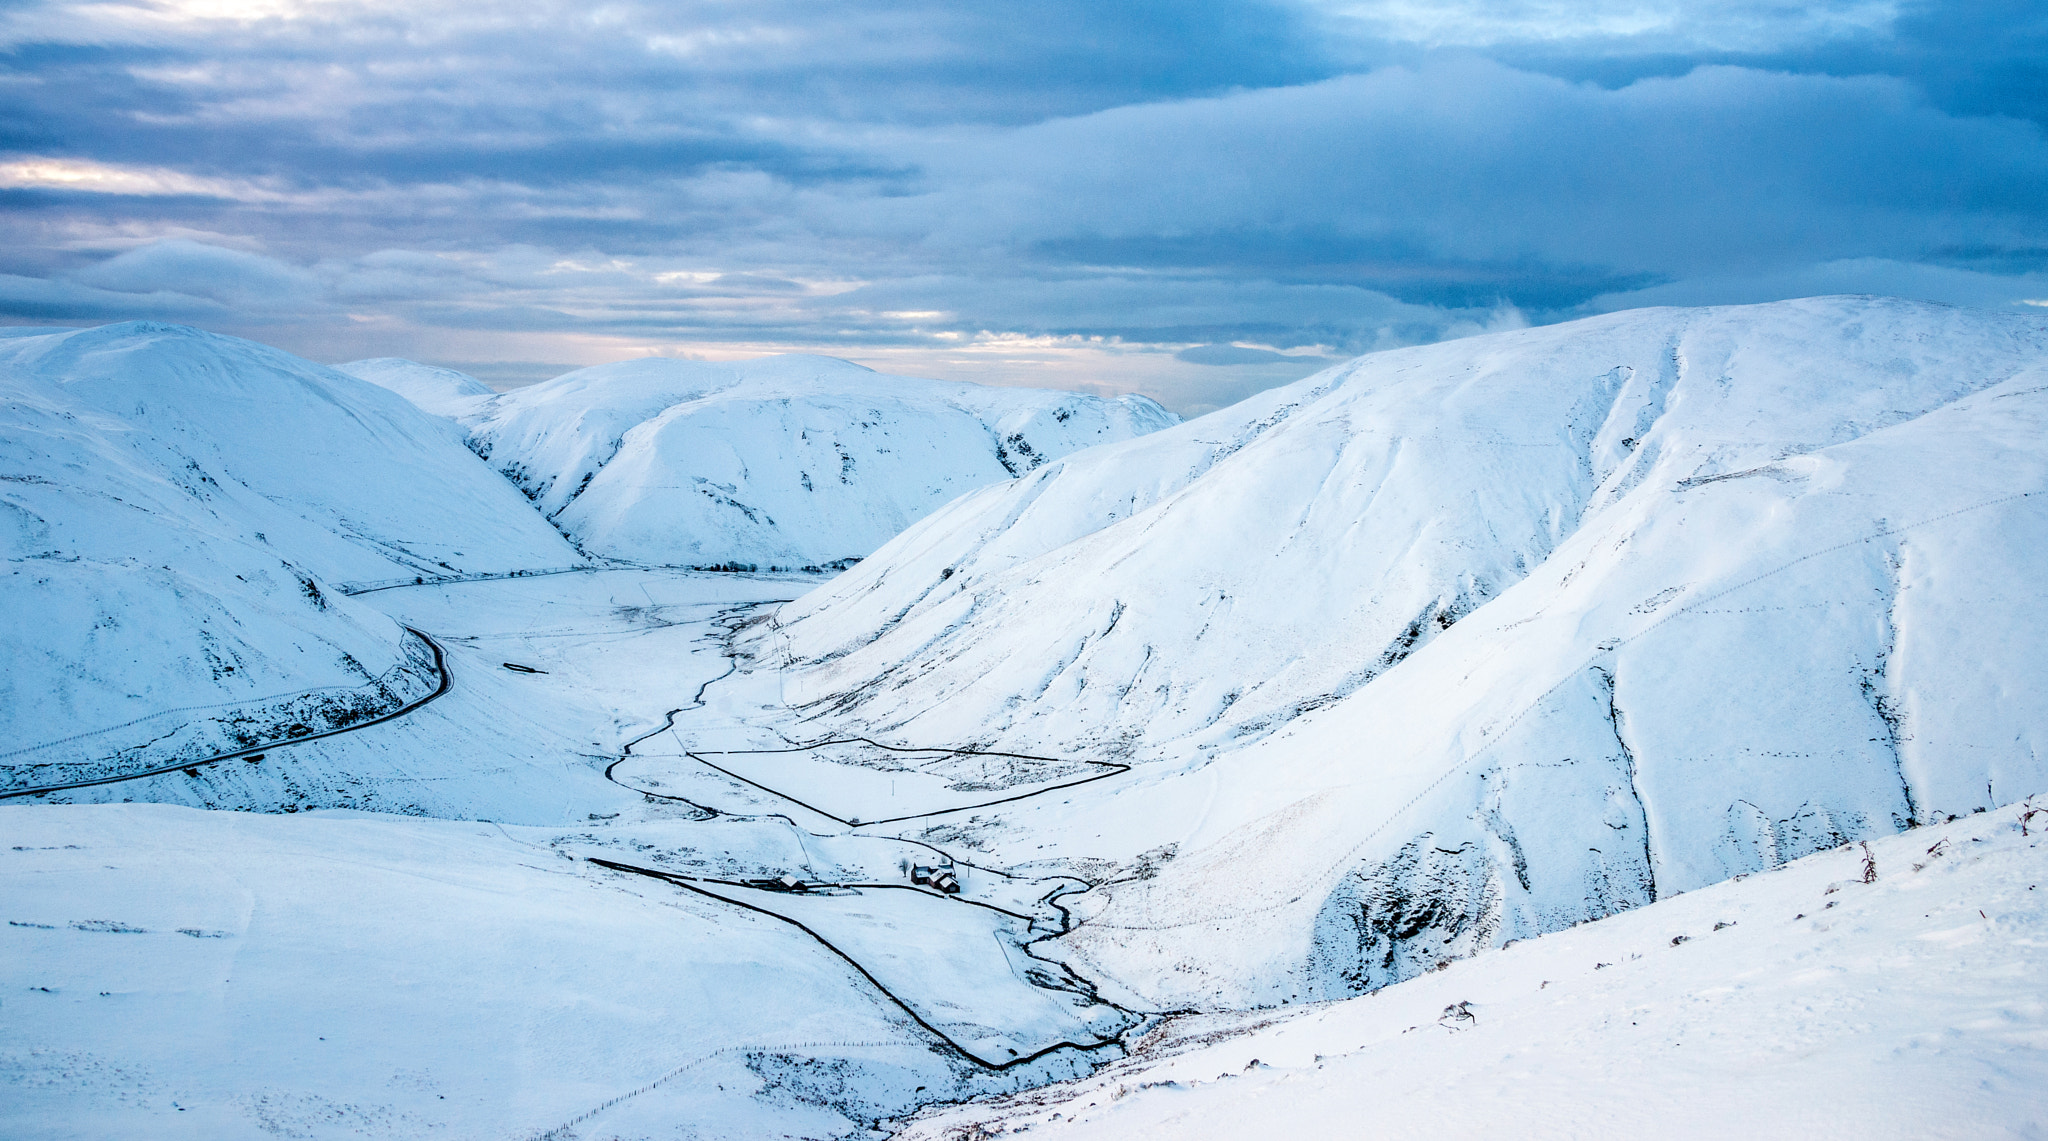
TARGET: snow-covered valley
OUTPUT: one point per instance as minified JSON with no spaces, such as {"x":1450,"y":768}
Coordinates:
{"x":1423,"y":679}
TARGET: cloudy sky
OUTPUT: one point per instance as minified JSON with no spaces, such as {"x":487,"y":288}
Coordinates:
{"x":1192,"y":199}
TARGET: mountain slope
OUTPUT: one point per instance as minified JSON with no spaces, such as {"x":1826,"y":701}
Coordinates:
{"x":1806,"y":1001}
{"x":178,"y":509}
{"x":1219,"y":577}
{"x":785,"y":461}
{"x":1479,"y":640}
{"x":441,"y":391}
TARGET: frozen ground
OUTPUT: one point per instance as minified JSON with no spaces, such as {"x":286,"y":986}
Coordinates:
{"x":1801,"y":1002}
{"x":859,"y":782}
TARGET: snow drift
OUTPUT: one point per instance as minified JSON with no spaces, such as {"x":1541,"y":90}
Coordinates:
{"x":787,"y":461}
{"x":177,"y":510}
{"x":1482,"y":639}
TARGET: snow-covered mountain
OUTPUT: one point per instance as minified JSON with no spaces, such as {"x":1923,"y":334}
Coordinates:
{"x":1453,"y":645}
{"x":178,"y":510}
{"x":787,"y":461}
{"x":1445,"y":648}
{"x":441,"y":391}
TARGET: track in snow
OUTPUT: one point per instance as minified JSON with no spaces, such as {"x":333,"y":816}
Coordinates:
{"x":691,"y":883}
{"x":1113,"y":769}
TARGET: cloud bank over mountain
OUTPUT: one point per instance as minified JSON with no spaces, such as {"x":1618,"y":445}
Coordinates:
{"x":1049,"y":193}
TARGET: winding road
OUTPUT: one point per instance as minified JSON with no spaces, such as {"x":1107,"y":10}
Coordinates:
{"x":440,"y":669}
{"x":692,"y":884}
{"x":702,"y":886}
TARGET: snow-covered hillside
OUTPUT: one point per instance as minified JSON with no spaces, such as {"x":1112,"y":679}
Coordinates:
{"x":1805,"y":1002}
{"x":788,"y":461}
{"x":441,"y":391}
{"x":1458,"y":644}
{"x":178,"y":510}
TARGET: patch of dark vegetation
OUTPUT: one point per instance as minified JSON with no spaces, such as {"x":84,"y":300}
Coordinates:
{"x":1147,"y":864}
{"x":1017,"y":455}
{"x":734,"y":566}
{"x":1410,"y":915}
{"x":837,"y":1084}
{"x":107,"y":926}
{"x":518,"y":476}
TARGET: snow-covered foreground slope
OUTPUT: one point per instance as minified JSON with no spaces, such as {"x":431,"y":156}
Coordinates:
{"x":441,"y":391}
{"x":170,"y":973}
{"x":1460,"y":644}
{"x":787,"y":461}
{"x":177,"y":510}
{"x":1804,"y":1002}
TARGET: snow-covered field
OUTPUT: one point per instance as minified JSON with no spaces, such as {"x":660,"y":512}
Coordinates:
{"x":1545,"y":684}
{"x":619,"y":648}
{"x":168,"y":973}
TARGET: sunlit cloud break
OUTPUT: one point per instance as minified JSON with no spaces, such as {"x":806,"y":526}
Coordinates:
{"x":107,"y":178}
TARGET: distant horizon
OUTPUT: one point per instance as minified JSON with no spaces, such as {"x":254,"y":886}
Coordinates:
{"x":503,"y":376}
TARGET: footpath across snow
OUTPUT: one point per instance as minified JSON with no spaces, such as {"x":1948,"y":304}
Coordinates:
{"x":1802,"y":1002}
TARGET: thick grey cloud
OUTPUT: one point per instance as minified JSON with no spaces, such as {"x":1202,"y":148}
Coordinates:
{"x":1465,"y":179}
{"x":1156,"y":194}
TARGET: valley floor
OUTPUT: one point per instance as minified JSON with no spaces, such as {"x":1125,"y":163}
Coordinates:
{"x":456,"y":965}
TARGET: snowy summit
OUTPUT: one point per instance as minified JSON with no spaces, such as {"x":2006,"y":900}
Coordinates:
{"x":787,"y":461}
